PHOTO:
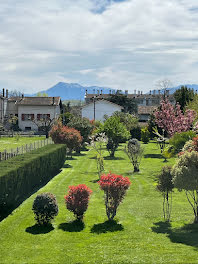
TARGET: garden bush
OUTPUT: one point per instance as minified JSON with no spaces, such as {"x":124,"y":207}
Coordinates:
{"x":145,"y":135}
{"x":45,"y":208}
{"x":116,"y":133}
{"x":136,"y":132}
{"x":165,"y":186}
{"x":77,"y":200}
{"x":114,"y":187}
{"x":65,"y":135}
{"x":20,"y":175}
{"x":134,"y":152}
{"x":179,"y":140}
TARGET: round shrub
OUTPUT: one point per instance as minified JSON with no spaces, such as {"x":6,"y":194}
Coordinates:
{"x":45,"y":208}
{"x":77,"y":200}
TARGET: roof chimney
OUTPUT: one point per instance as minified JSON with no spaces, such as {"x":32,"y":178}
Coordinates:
{"x":153,"y":92}
{"x":6,"y":93}
{"x":109,"y":91}
{"x":159,"y":92}
{"x":167,"y":92}
{"x":141,"y":92}
{"x":94,"y":91}
{"x":150,"y":92}
{"x":22,"y":96}
{"x":126,"y":92}
{"x":86,"y":92}
{"x":98,"y":91}
{"x":101,"y":92}
{"x":53,"y":100}
{"x":3,"y":92}
{"x":134,"y":91}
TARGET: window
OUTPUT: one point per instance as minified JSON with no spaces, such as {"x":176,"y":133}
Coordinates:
{"x":43,"y":116}
{"x":28,"y":128}
{"x":27,"y":117}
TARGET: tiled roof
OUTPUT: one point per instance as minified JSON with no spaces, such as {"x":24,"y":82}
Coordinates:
{"x":39,"y":101}
{"x":146,"y":109}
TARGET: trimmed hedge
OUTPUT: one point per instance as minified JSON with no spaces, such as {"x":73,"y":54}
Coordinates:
{"x":20,"y":175}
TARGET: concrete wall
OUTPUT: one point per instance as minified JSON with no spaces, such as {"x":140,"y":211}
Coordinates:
{"x":54,"y":112}
{"x":101,"y":108}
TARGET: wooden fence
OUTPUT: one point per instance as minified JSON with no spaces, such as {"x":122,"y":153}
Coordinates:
{"x":7,"y":154}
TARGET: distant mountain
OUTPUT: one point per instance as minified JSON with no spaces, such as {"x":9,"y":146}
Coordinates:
{"x":191,"y":86}
{"x":73,"y":91}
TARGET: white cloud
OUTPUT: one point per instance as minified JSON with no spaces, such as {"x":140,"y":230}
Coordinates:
{"x":130,"y":44}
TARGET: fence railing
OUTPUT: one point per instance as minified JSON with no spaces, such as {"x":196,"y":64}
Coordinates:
{"x":7,"y":154}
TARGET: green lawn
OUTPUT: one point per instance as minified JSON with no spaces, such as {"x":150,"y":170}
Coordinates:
{"x":14,"y":142}
{"x":138,"y":236}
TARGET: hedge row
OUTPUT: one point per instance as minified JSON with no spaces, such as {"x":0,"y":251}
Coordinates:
{"x":20,"y":175}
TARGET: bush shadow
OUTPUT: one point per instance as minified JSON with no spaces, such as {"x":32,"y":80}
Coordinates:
{"x":70,"y":158}
{"x":113,"y":158}
{"x":153,"y":156}
{"x":67,"y":166}
{"x":38,"y":229}
{"x":78,"y":154}
{"x":187,"y":234}
{"x":107,"y":226}
{"x":94,"y":181}
{"x":73,"y":226}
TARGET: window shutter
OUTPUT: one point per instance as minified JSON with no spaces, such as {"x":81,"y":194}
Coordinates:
{"x":48,"y":116}
{"x":38,"y":116}
{"x":22,"y":117}
{"x":32,"y":116}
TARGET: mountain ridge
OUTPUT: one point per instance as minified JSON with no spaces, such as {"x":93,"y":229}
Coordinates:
{"x":75,"y":91}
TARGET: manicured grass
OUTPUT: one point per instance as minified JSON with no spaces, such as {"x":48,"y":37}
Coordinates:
{"x":14,"y":142}
{"x":138,"y":235}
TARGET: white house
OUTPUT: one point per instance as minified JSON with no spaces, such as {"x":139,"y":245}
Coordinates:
{"x":36,"y":108}
{"x":97,"y":109}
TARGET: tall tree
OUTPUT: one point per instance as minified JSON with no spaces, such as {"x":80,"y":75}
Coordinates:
{"x":183,"y":96}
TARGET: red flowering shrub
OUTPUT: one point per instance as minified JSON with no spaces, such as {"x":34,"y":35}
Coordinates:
{"x":65,"y":135}
{"x":77,"y":200}
{"x":114,"y":187}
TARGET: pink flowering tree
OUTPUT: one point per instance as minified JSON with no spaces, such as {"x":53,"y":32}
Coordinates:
{"x":172,"y":120}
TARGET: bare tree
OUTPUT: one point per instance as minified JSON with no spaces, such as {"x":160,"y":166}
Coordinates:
{"x":163,"y":84}
{"x":44,"y":124}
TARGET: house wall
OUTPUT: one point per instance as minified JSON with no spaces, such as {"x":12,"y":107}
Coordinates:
{"x":101,"y":108}
{"x":54,"y":112}
{"x":11,"y":109}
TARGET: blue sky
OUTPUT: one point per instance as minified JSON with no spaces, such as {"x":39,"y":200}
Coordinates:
{"x":128,"y":45}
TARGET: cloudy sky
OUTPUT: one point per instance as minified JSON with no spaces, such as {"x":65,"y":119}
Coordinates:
{"x":123,"y":44}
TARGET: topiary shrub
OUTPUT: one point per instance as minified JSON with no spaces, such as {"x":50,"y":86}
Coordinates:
{"x":145,"y":135}
{"x":45,"y":208}
{"x":114,"y":187}
{"x":77,"y":200}
{"x":165,"y":186}
{"x":134,"y":152}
